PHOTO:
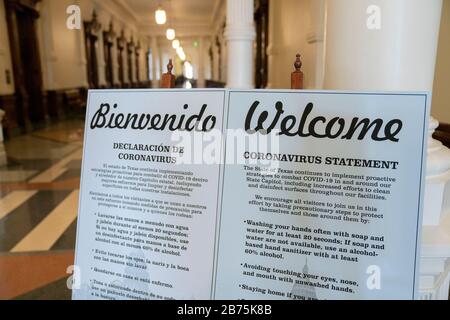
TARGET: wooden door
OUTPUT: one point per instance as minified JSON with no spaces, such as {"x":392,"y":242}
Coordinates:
{"x":21,"y":20}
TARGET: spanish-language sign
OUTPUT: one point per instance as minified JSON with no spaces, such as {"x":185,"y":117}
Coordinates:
{"x":261,"y":194}
{"x":146,"y":226}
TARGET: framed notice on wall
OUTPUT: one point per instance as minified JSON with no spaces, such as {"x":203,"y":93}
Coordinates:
{"x":261,"y":194}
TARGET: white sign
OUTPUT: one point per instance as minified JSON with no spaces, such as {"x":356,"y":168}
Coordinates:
{"x":146,"y":222}
{"x":338,"y":217}
{"x":225,"y":194}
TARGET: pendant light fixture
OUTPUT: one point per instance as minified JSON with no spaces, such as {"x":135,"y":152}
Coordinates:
{"x":160,"y":15}
{"x":176,"y":44}
{"x":170,"y":34}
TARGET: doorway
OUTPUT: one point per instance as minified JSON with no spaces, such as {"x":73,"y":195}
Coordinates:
{"x":21,"y":19}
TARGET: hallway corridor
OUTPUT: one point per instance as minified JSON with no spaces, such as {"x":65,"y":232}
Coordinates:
{"x":38,"y":211}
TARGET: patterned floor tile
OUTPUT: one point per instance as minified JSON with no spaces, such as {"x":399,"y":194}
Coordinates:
{"x":21,"y":274}
{"x":38,"y":208}
{"x":16,"y":175}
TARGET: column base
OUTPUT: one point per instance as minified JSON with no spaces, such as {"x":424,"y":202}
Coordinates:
{"x":435,"y":261}
{"x":438,"y":177}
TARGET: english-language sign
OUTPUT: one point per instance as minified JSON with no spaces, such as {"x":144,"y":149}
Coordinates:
{"x":259,"y":194}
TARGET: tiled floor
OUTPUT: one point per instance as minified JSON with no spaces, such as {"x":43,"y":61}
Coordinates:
{"x":38,"y":211}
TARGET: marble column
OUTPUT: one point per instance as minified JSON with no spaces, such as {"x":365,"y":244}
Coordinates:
{"x":240,"y":35}
{"x":401,"y":55}
{"x":396,"y":53}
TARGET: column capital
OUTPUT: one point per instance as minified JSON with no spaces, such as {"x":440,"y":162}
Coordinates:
{"x":240,"y":12}
{"x":240,"y":24}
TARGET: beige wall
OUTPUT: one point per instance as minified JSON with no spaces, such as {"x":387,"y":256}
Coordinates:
{"x":441,"y":92}
{"x":5,"y":55}
{"x":296,"y":26}
{"x":62,"y":50}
